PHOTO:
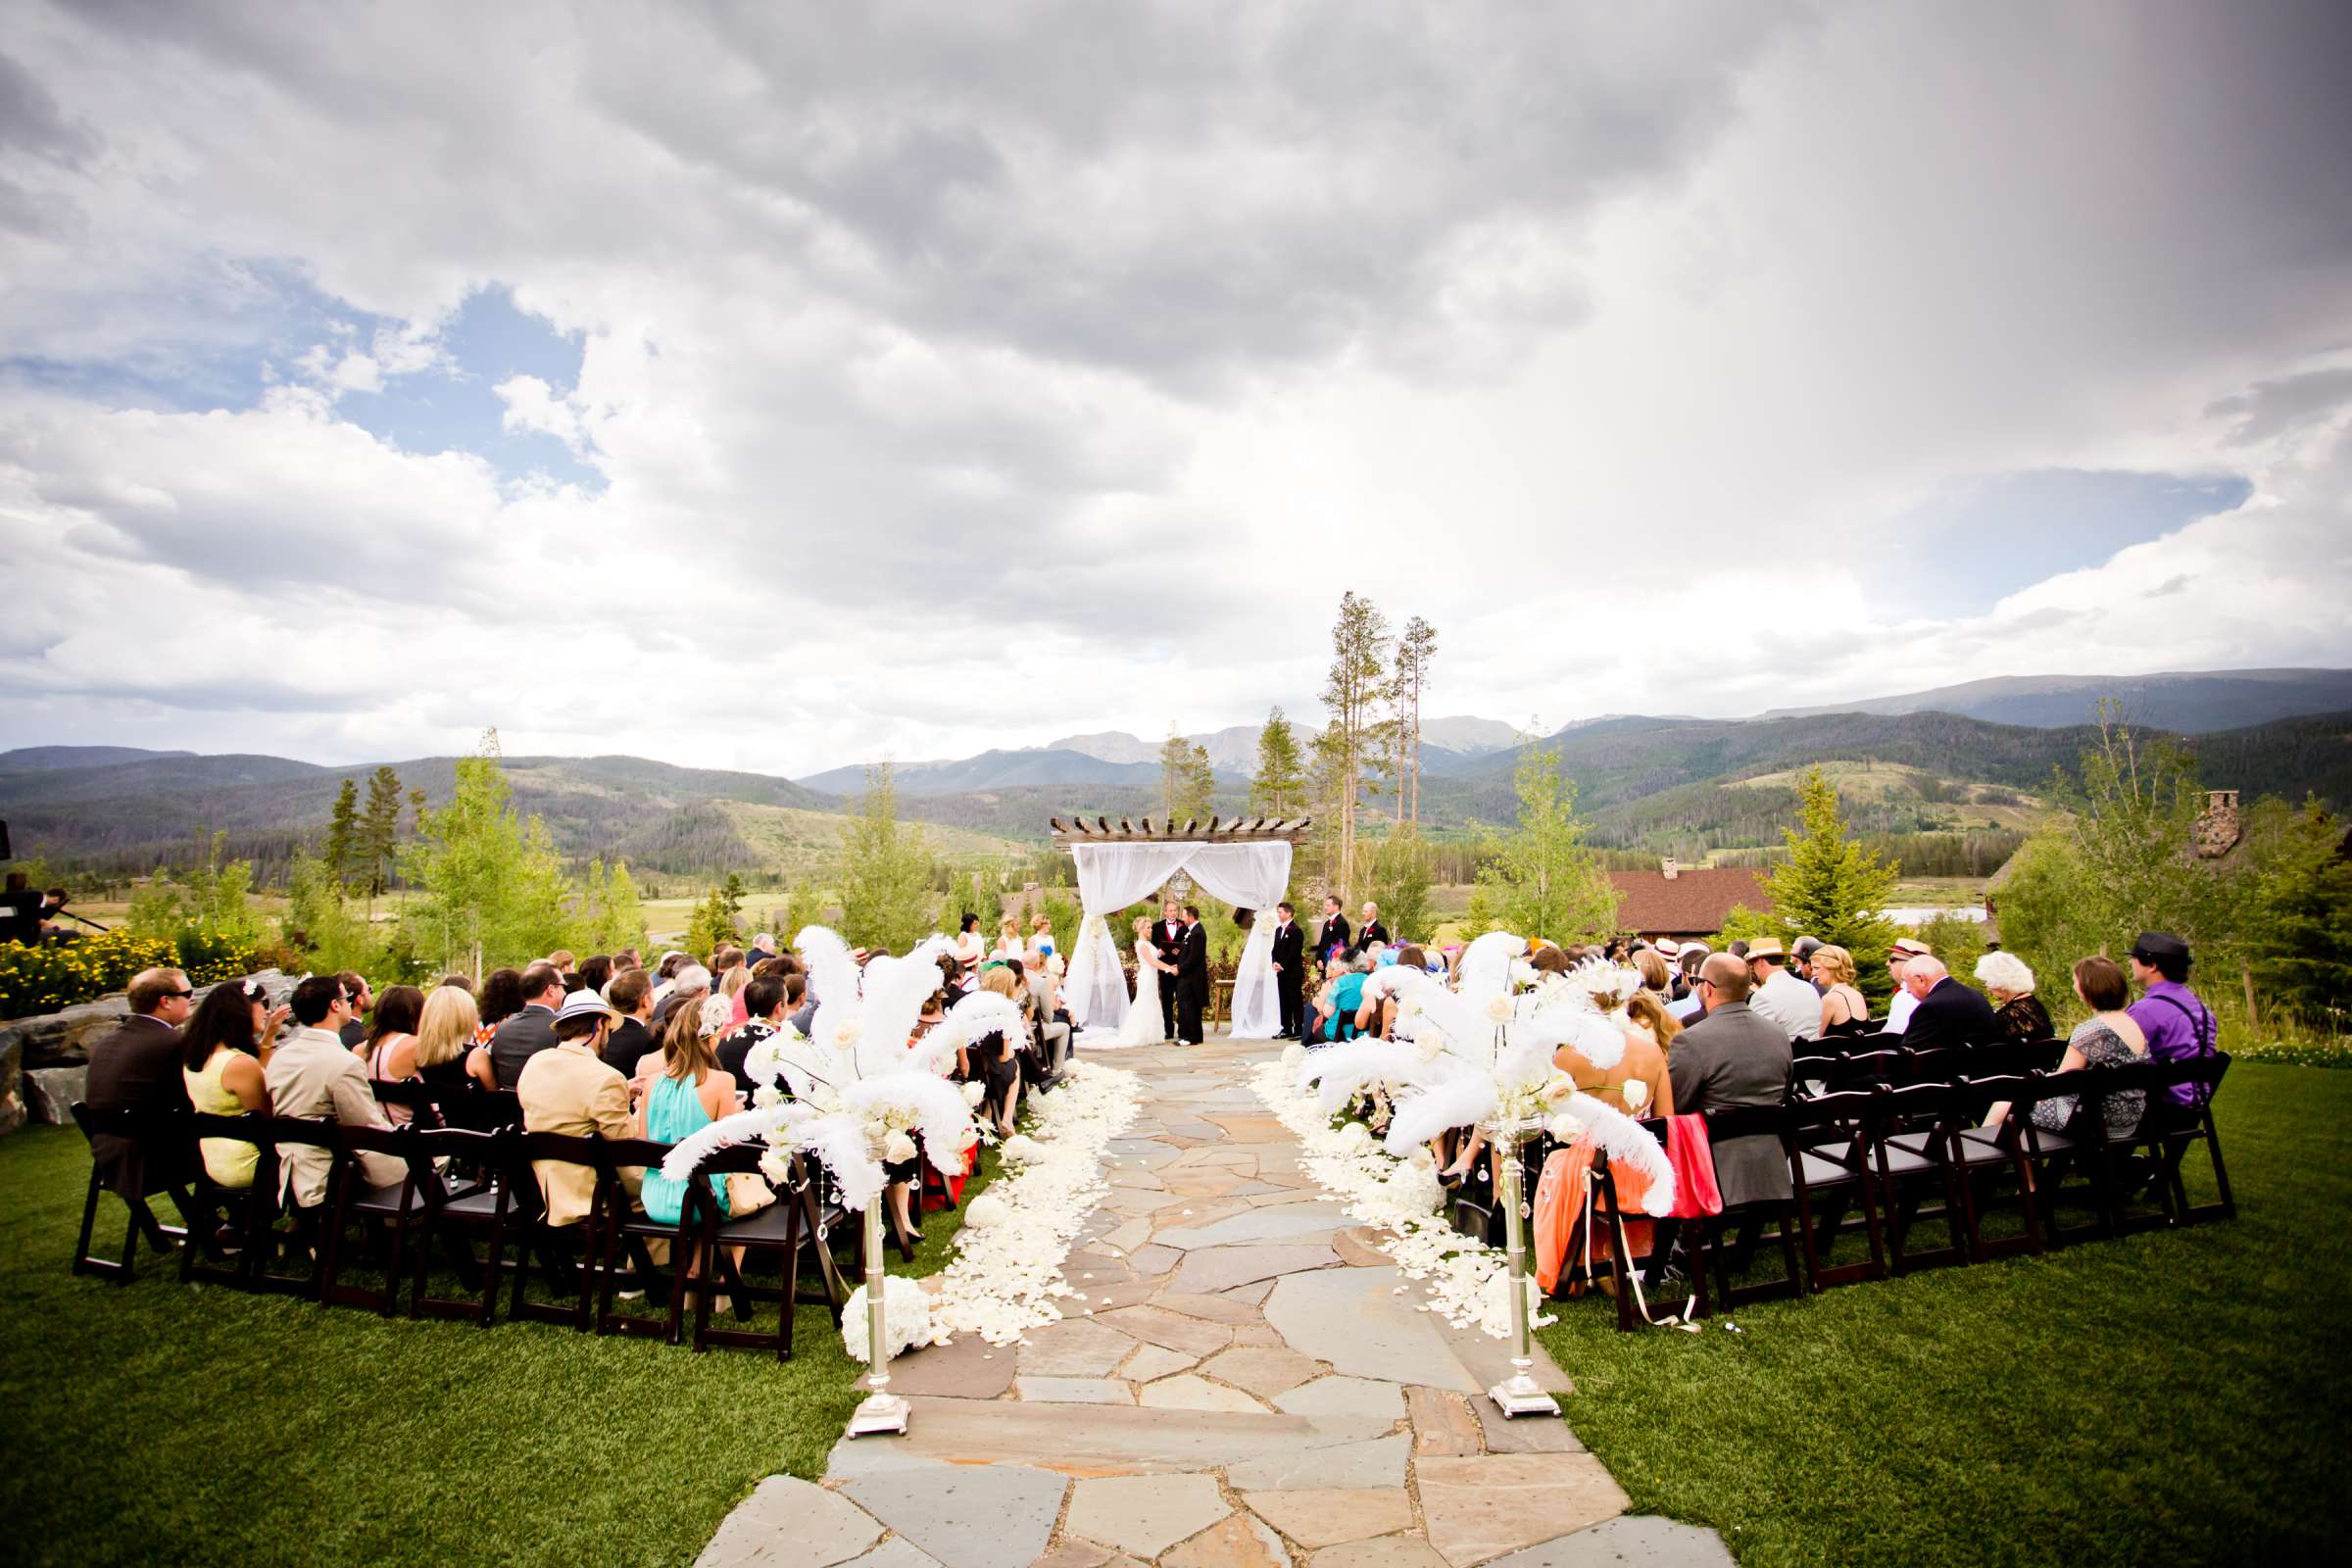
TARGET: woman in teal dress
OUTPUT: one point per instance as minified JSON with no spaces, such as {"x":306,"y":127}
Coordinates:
{"x":693,"y":1092}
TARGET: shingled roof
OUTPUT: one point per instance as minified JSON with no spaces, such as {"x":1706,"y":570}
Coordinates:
{"x":1691,"y":902}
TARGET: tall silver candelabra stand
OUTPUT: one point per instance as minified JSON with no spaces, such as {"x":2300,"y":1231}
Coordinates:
{"x":1517,"y":1394}
{"x":880,"y":1410}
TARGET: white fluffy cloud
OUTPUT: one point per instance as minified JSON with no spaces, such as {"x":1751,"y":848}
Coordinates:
{"x":960,"y":377}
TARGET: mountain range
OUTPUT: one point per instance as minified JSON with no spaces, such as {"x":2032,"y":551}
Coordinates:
{"x":1660,"y":785}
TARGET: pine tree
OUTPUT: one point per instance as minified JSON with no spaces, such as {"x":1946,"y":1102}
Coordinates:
{"x":1416,"y":650}
{"x":1187,"y":782}
{"x":1351,"y":688}
{"x":378,"y":837}
{"x":1541,"y":878}
{"x":731,"y":891}
{"x":884,"y":871}
{"x":1831,"y":886}
{"x":417,"y":810}
{"x":712,"y":927}
{"x":2299,"y":918}
{"x":1278,"y":789}
{"x":343,"y":834}
{"x":493,"y":884}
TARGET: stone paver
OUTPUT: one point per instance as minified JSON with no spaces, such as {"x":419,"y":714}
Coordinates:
{"x":1638,"y":1540}
{"x":1325,"y":1518}
{"x":1482,"y":1506}
{"x":1350,"y":1318}
{"x":1231,"y":1335}
{"x":1144,"y":1514}
{"x":975,"y":1516}
{"x":789,"y":1523}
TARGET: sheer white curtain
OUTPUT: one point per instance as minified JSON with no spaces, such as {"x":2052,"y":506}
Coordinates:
{"x":1250,"y":877}
{"x":1110,"y":877}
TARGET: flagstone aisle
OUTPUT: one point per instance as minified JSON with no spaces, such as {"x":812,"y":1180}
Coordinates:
{"x":1250,"y":1389}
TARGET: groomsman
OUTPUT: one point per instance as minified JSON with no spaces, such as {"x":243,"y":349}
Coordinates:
{"x":1373,"y":931}
{"x":1333,"y":938}
{"x":1290,"y":968}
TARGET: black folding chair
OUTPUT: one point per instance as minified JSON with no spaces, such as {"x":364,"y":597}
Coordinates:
{"x":160,"y":1133}
{"x":456,"y":1215}
{"x":2177,"y":1128}
{"x":277,"y":1137}
{"x":1979,"y":1156}
{"x":1637,"y":1307}
{"x":1749,"y":1121}
{"x":1910,"y":1150}
{"x":1830,"y":1168}
{"x":631,"y":1229}
{"x":389,"y":1212}
{"x":246,"y":1213}
{"x":785,"y":1228}
{"x":566,"y":1253}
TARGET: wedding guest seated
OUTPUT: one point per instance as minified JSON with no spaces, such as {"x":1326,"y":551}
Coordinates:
{"x":223,"y":1053}
{"x":596,"y":972}
{"x":1380,"y":1017}
{"x":390,"y":1053}
{"x":530,"y":1030}
{"x":1779,"y":996}
{"x":2010,"y":982}
{"x":1898,"y":1008}
{"x":2110,"y":1036}
{"x":999,"y":1068}
{"x":1945,"y":1012}
{"x":569,"y":1088}
{"x":1657,"y":977}
{"x":1343,"y":996}
{"x":1052,"y":1023}
{"x":630,"y":995}
{"x":2175,"y":1022}
{"x":687,"y":989}
{"x":1689,"y":1007}
{"x":690,"y":1092}
{"x":1845,"y":1009}
{"x":136,"y":1066}
{"x":313,"y":1074}
{"x":445,"y":1036}
{"x":764,"y":1001}
{"x":500,"y":998}
{"x":1733,"y":1056}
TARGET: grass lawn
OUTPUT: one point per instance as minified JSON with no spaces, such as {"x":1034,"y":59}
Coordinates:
{"x":2177,"y":1398}
{"x":196,"y":1424}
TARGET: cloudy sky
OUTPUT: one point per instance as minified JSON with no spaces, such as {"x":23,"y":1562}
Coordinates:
{"x":778,"y":386}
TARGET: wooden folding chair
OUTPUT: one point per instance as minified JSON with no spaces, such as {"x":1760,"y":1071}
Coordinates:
{"x":1636,"y":1307}
{"x":1749,"y":1121}
{"x":1829,"y":1159}
{"x":246,"y":1213}
{"x":1910,"y":1150}
{"x":786,"y":1227}
{"x":630,"y":1228}
{"x":2174,"y":1129}
{"x":566,"y":1253}
{"x":159,"y":1131}
{"x":1980,"y":1154}
{"x":389,"y":1211}
{"x":274,"y":1136}
{"x":454,"y":1214}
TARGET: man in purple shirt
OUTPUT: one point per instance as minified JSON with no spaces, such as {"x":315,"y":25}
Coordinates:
{"x":2176,"y":1024}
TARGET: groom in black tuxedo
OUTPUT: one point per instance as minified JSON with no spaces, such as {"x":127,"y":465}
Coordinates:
{"x":1168,"y":935}
{"x":1290,"y":971}
{"x":1191,"y":978}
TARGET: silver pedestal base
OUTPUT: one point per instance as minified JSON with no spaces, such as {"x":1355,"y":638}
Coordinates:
{"x":878,"y":1413}
{"x":1520,"y":1396}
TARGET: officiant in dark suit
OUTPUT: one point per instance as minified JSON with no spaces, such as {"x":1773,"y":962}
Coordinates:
{"x":1168,"y":935}
{"x":1191,"y":979}
{"x":1290,"y":968}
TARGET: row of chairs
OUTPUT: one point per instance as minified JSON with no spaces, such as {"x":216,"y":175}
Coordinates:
{"x":1876,"y":1155}
{"x":462,"y":1187}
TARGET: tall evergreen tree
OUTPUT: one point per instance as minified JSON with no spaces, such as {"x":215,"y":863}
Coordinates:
{"x":1416,"y":651}
{"x":1278,"y":789}
{"x":884,"y":871}
{"x":378,"y":837}
{"x":2299,"y":918}
{"x":343,"y":834}
{"x":1188,"y":784}
{"x":1541,"y":879}
{"x":1831,"y":886}
{"x":493,"y":884}
{"x":1350,"y":742}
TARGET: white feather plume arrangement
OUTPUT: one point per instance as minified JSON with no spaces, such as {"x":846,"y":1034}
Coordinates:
{"x":772,"y":1124}
{"x":1424,"y":1004}
{"x":1486,"y":967}
{"x":981,"y":1014}
{"x":1461,"y":1101}
{"x":832,"y":972}
{"x":1347,"y":1069}
{"x":1600,"y":1040}
{"x":892,"y":992}
{"x":1626,"y":1143}
{"x":1592,"y":986}
{"x":935,"y":1106}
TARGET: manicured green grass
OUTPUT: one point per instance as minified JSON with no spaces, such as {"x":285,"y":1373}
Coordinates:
{"x":2166,"y":1397}
{"x":160,"y":1423}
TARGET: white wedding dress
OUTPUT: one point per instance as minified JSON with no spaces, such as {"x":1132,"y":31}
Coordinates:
{"x":1143,"y":1025}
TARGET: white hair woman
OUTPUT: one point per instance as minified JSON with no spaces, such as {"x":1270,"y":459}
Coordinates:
{"x":2008,"y":980}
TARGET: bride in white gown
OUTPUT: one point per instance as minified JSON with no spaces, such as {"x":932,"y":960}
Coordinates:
{"x":1143,"y":1025}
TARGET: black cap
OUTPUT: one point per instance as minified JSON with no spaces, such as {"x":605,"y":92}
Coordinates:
{"x":2154,"y":945}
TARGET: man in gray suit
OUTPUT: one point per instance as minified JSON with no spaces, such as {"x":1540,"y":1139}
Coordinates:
{"x":1731,"y":1057}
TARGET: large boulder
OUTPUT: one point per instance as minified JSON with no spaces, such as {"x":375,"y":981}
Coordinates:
{"x":12,"y":1097}
{"x":50,"y":1093}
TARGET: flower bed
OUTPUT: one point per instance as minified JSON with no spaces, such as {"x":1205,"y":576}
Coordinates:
{"x":54,"y":975}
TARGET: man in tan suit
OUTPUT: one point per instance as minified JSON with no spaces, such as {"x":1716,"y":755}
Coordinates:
{"x":571,"y":1089}
{"x":313,"y":1074}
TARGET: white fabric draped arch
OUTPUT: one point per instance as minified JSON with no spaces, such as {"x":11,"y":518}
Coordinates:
{"x":1112,"y":877}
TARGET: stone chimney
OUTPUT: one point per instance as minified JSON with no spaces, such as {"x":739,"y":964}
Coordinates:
{"x":1670,"y":867}
{"x":2219,"y":826}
